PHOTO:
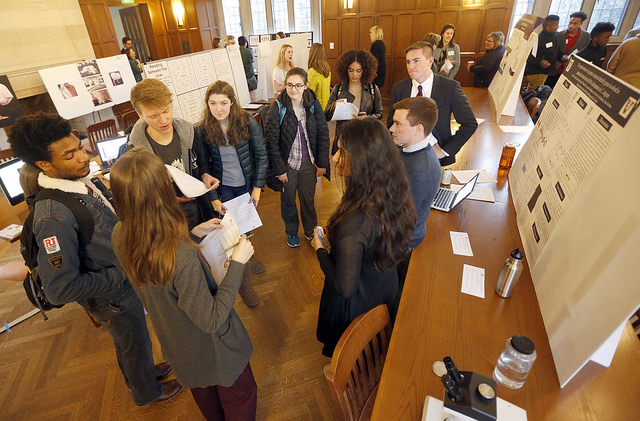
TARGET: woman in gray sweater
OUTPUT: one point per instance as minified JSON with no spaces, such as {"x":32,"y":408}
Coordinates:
{"x":201,"y":335}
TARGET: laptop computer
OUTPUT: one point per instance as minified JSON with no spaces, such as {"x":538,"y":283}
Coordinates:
{"x":10,"y":181}
{"x":108,"y":150}
{"x":447,"y":199}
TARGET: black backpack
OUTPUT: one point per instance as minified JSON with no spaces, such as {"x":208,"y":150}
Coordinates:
{"x":29,"y":246}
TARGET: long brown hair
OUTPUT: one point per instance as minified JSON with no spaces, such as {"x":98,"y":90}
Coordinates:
{"x":318,"y":60}
{"x":238,"y":130}
{"x":152,"y":223}
{"x":376,"y":184}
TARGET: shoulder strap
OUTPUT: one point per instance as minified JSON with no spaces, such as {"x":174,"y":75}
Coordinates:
{"x":339,"y":89}
{"x":76,"y":206}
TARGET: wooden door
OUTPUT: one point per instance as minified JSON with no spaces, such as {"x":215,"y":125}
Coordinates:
{"x":132,"y":25}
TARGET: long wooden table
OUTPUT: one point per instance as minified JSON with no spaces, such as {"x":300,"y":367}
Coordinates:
{"x":436,"y":320}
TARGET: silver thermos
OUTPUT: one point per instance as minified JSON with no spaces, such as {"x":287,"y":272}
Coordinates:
{"x":510,"y":274}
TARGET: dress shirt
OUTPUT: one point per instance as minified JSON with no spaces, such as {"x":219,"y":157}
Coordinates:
{"x":426,"y":86}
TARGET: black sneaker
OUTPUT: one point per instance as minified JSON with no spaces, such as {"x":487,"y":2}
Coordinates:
{"x":309,"y":237}
{"x":293,"y":241}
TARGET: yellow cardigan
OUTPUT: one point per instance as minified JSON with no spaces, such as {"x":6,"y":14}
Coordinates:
{"x":320,"y":85}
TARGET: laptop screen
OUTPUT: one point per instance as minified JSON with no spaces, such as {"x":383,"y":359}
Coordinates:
{"x":10,"y":181}
{"x":465,"y":191}
{"x":108,"y":149}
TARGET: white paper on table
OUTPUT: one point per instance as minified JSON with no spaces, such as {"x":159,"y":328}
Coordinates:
{"x":460,"y":243}
{"x":213,"y":246}
{"x":473,"y":281}
{"x":446,"y":66}
{"x":94,"y":168}
{"x":464,"y":176}
{"x":483,"y":194}
{"x":480,"y":120}
{"x":344,"y":111}
{"x":252,"y":106}
{"x":189,"y":186}
{"x":516,"y":129}
{"x":243,"y":211}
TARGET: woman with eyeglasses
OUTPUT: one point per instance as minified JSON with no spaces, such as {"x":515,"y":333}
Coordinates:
{"x":297,"y":138}
{"x":356,"y":70}
{"x":283,"y":65}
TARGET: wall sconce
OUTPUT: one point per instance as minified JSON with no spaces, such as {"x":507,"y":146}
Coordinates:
{"x":178,"y":11}
{"x":348,"y":4}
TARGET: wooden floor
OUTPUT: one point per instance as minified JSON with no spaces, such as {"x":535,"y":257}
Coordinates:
{"x":65,"y":368}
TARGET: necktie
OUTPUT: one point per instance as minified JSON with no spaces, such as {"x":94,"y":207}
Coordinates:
{"x":419,"y":90}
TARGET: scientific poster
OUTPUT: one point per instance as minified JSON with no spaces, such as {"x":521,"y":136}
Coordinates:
{"x":10,"y":109}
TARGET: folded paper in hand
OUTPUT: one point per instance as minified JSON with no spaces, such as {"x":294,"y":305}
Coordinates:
{"x":189,"y":186}
{"x":446,"y":66}
{"x":213,"y":246}
{"x":344,"y":111}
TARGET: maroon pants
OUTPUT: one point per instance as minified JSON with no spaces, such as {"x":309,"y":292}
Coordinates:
{"x":238,"y":402}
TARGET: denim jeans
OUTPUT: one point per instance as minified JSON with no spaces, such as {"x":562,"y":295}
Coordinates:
{"x":302,"y":181}
{"x":123,"y":317}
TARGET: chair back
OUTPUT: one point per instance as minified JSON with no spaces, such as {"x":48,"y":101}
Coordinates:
{"x":5,"y":155}
{"x":100,"y":131}
{"x":129,"y":119}
{"x":533,"y":105}
{"x":356,"y":365}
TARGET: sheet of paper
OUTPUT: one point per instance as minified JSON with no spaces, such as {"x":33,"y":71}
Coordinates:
{"x":344,"y":111}
{"x":243,"y":211}
{"x":189,"y":186}
{"x":480,"y":120}
{"x":252,"y":106}
{"x":473,"y":281}
{"x":464,"y":176}
{"x":213,"y":246}
{"x":516,"y":129}
{"x":446,"y":66}
{"x":460,"y":243}
{"x":484,"y":194}
{"x":94,"y":168}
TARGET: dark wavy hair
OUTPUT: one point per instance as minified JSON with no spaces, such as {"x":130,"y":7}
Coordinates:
{"x":367,"y":61}
{"x":238,"y":130}
{"x":453,"y":38}
{"x":32,"y":135}
{"x":376,"y":184}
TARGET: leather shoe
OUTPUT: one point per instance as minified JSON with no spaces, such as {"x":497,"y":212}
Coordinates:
{"x":169,"y":390}
{"x":163,"y":370}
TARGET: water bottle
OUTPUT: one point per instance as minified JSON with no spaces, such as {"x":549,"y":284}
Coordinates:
{"x":510,"y":274}
{"x":515,"y":362}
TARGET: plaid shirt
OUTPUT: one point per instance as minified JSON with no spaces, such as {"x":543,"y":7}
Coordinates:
{"x":295,"y":156}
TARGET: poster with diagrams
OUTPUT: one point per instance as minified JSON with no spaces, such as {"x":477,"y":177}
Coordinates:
{"x":188,"y":77}
{"x":79,"y":88}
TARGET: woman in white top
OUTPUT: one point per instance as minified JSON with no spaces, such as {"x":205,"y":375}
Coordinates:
{"x":283,"y":65}
{"x":447,"y":51}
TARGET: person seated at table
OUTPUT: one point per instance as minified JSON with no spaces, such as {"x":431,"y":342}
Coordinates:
{"x":596,"y":51}
{"x":356,"y":70}
{"x":486,"y":67}
{"x":369,"y":232}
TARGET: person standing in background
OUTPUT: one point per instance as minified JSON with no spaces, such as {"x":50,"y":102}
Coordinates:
{"x":283,"y":65}
{"x":549,"y":53}
{"x":319,"y":73}
{"x":596,"y":51}
{"x":247,"y":62}
{"x":280,"y":35}
{"x":447,"y":52}
{"x":378,"y":50}
{"x":574,"y":39}
{"x":126,"y":44}
{"x":487,"y":66}
{"x":228,"y":40}
{"x":624,"y":62}
{"x":217,"y":42}
{"x":136,"y":66}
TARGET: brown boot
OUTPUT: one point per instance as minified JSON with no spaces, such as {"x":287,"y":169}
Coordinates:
{"x":256,"y":265}
{"x":247,"y":292}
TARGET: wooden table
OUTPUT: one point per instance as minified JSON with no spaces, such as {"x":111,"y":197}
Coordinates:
{"x":436,"y":320}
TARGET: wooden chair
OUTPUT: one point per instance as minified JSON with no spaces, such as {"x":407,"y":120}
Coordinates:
{"x":5,"y":155}
{"x":356,"y":366}
{"x":129,"y":119}
{"x":533,"y":105}
{"x":101,"y":131}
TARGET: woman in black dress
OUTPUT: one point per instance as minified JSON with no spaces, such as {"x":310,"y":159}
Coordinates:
{"x":368,"y":233}
{"x":378,"y":50}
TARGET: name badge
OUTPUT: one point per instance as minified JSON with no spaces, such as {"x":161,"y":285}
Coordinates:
{"x":566,"y":41}
{"x":549,"y":44}
{"x":450,"y":53}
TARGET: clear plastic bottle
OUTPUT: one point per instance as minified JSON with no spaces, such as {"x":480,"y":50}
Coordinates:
{"x":515,"y":362}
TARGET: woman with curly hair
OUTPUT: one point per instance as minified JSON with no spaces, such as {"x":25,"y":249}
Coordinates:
{"x":283,"y":65}
{"x":368,"y":233}
{"x":356,"y":70}
{"x":448,"y":52}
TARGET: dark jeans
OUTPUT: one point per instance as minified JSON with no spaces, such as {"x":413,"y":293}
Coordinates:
{"x":304,"y":182}
{"x":227,"y":193}
{"x":123,"y":317}
{"x":235,"y":403}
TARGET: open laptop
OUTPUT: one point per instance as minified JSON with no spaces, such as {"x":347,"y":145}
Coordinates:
{"x":447,"y":199}
{"x":108,"y":150}
{"x":10,"y":181}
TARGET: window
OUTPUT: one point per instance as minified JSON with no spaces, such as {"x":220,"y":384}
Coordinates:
{"x":280,"y":15}
{"x":302,"y":15}
{"x":521,"y":7}
{"x":564,"y":8}
{"x":232,"y":21}
{"x":259,"y":17}
{"x":608,"y":11}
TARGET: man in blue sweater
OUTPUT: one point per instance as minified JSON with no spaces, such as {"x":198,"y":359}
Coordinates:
{"x":413,"y":122}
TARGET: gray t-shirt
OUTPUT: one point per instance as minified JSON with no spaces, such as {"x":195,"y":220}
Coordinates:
{"x":232,"y":175}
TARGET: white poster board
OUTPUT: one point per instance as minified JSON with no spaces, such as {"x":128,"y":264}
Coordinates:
{"x":79,"y":88}
{"x":505,"y":86}
{"x":577,"y":198}
{"x":188,"y":77}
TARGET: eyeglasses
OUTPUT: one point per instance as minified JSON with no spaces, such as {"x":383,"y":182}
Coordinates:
{"x":297,"y":86}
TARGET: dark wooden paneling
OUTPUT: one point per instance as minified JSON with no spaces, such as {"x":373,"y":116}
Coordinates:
{"x":471,"y":21}
{"x":451,"y":3}
{"x":366,"y":6}
{"x":385,"y":6}
{"x":405,"y":4}
{"x":100,"y":28}
{"x":403,"y":34}
{"x":444,"y":18}
{"x":348,"y":34}
{"x":330,"y":8}
{"x":207,"y":22}
{"x":423,"y":24}
{"x":427,"y":4}
{"x":399,"y":69}
{"x":364,"y":39}
{"x":494,"y":20}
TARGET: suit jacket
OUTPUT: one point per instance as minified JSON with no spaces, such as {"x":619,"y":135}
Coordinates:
{"x":449,"y":97}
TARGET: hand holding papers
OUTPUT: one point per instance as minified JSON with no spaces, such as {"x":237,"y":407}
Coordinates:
{"x":344,"y":111}
{"x":189,"y":186}
{"x":217,"y":247}
{"x":447,"y":66}
{"x":244,"y":212}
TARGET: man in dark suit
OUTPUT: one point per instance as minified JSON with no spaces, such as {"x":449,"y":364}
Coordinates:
{"x":445,"y":92}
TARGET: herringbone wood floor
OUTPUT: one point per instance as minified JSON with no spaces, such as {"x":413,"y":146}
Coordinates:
{"x":65,"y":368}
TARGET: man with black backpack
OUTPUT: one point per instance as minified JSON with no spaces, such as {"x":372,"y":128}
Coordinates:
{"x":74,"y":266}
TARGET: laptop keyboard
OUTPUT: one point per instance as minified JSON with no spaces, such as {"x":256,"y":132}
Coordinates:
{"x":443,"y":198}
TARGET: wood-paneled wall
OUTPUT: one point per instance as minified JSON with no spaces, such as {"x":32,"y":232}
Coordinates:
{"x":406,"y":21}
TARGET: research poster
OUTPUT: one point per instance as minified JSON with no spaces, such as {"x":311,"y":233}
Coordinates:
{"x":10,"y":109}
{"x":189,"y":76}
{"x":79,"y":88}
{"x":505,"y":86}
